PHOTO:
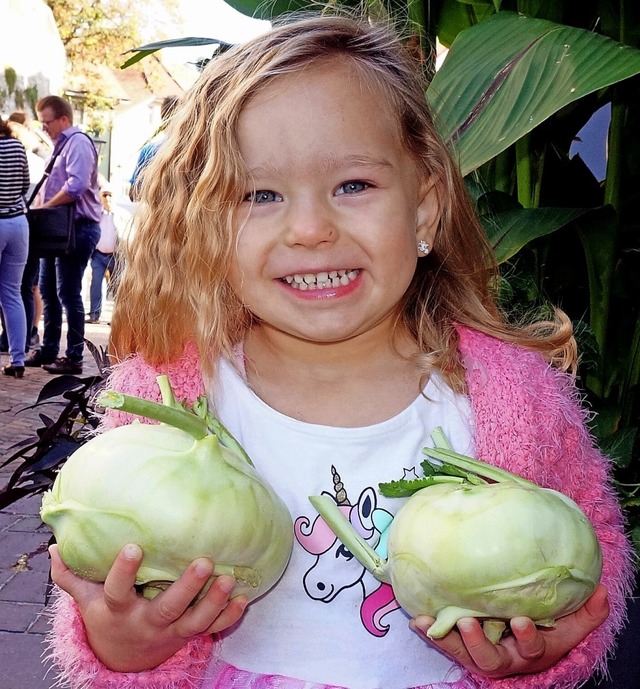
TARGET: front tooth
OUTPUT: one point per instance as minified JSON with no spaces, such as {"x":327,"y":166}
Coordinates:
{"x":322,"y":277}
{"x":310,"y":278}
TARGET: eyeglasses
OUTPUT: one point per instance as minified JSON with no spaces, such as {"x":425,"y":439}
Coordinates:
{"x":48,"y":122}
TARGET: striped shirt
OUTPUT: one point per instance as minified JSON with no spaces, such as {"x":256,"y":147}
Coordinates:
{"x":14,"y":177}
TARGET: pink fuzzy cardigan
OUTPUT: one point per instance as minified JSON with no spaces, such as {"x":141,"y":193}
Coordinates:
{"x":527,"y":419}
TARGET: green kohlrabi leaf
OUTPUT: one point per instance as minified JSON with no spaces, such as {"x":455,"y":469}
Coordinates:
{"x":506,"y":75}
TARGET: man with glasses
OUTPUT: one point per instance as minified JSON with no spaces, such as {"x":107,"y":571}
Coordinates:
{"x":73,"y":179}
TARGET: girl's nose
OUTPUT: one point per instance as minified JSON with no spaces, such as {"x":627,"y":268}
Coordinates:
{"x":310,"y":223}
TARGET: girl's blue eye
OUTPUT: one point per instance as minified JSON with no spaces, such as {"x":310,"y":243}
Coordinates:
{"x":352,"y":187}
{"x":262,"y":196}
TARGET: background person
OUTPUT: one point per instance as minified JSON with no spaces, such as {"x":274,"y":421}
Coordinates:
{"x":38,"y":148}
{"x":74,"y":179}
{"x":103,"y":259}
{"x":148,"y":151}
{"x":14,"y":244}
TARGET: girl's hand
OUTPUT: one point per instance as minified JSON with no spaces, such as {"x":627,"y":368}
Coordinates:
{"x":129,"y":633}
{"x":527,"y":649}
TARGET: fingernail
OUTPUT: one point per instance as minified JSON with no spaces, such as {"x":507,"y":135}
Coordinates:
{"x":465,"y":624}
{"x":132,"y":551}
{"x":519,"y":623}
{"x":202,"y":568}
{"x":227,"y":584}
{"x":243,"y":603}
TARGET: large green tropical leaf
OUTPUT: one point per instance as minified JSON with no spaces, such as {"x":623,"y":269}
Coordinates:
{"x":268,"y":9}
{"x":506,"y":75}
{"x":189,"y":42}
{"x":457,"y":16}
{"x":510,"y":231}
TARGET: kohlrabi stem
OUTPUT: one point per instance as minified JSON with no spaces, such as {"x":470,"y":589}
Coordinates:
{"x":168,"y":398}
{"x":225,"y":437}
{"x":440,"y":440}
{"x":475,"y":466}
{"x":345,"y":532}
{"x":170,"y":415}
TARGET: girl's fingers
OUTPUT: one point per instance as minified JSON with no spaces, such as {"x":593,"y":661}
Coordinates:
{"x":594,"y":612}
{"x":483,"y":653}
{"x":216,"y":611}
{"x":212,"y":613}
{"x":530,"y":642}
{"x":172,"y":603}
{"x":230,"y":615}
{"x":451,"y":644}
{"x":118,"y":586}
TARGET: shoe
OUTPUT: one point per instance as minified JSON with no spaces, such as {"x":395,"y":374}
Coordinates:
{"x":14,"y":371}
{"x":63,"y":366}
{"x":36,"y":359}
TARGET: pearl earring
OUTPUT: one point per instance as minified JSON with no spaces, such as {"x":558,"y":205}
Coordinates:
{"x":423,"y":247}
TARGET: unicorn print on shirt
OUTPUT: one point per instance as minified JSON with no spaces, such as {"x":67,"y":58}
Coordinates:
{"x":335,"y":568}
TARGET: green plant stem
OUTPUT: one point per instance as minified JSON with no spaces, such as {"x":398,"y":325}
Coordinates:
{"x":475,"y":466}
{"x":415,"y":9}
{"x":166,"y":391}
{"x":226,"y":438}
{"x":172,"y":416}
{"x":523,"y":172}
{"x":601,"y":281}
{"x":631,"y":380}
{"x":601,"y":265}
{"x":345,"y":532}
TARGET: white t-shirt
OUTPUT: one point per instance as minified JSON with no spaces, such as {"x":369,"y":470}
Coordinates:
{"x":108,"y":233}
{"x":328,"y":620}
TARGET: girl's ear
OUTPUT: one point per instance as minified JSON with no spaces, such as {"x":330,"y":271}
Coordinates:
{"x":428,"y":212}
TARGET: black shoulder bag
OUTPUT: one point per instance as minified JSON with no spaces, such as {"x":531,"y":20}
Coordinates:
{"x":51,"y":230}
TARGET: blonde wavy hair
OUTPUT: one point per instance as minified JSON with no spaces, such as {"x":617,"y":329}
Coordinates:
{"x":175,"y":288}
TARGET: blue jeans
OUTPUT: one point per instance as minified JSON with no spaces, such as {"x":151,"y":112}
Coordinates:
{"x":61,"y":288}
{"x":100,"y":264}
{"x":14,"y":247}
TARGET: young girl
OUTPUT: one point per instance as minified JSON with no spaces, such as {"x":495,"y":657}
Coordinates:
{"x":307,"y":255}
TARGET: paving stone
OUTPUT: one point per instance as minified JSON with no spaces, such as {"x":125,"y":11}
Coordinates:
{"x":21,"y":662}
{"x":25,"y":587}
{"x":7,"y":520}
{"x":27,"y":506}
{"x":19,"y":617}
{"x":17,"y":546}
{"x":30,"y":524}
{"x":41,"y":623}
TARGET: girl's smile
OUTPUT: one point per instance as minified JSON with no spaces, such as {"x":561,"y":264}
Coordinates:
{"x":328,"y":228}
{"x":323,"y":285}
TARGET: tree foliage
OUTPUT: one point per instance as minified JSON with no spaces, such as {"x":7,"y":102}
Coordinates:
{"x":95,"y":34}
{"x":98,"y":31}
